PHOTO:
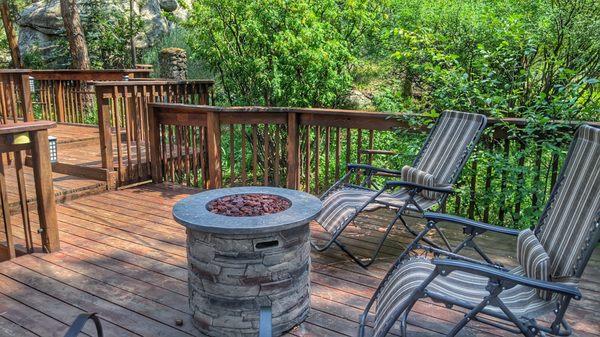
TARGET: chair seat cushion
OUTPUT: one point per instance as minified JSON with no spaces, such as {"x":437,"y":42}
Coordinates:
{"x":522,"y":301}
{"x":533,"y":258}
{"x":343,"y":203}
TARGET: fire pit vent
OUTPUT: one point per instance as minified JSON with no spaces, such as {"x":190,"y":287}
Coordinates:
{"x":248,"y":247}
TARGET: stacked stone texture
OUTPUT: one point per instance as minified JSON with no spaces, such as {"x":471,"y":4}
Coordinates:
{"x":173,"y":63}
{"x":232,"y":276}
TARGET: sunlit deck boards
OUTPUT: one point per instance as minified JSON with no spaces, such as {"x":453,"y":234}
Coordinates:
{"x":124,"y":257}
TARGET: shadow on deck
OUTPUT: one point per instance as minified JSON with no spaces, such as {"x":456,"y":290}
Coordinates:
{"x":124,"y":257}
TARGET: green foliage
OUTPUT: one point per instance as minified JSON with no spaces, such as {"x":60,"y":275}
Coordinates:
{"x":505,"y":58}
{"x":278,"y":52}
{"x":177,"y":38}
{"x":108,"y":32}
{"x":538,"y":60}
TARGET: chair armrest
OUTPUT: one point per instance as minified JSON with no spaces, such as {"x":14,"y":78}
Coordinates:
{"x":442,"y":189}
{"x":446,"y":266}
{"x":437,"y":217}
{"x":373,"y":169}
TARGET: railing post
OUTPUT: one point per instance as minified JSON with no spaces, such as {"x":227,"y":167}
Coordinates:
{"x":293,"y":152}
{"x":46,"y":207}
{"x":106,"y":147}
{"x":26,"y":99}
{"x":60,"y":101}
{"x":213,"y":135}
{"x":154,"y":143}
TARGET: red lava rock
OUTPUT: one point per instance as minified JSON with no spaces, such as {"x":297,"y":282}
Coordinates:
{"x":248,"y":205}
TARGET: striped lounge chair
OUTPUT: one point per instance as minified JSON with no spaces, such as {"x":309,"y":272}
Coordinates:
{"x":422,"y":186}
{"x":551,"y":257}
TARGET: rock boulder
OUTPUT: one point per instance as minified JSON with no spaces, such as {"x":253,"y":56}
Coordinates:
{"x":41,"y":26}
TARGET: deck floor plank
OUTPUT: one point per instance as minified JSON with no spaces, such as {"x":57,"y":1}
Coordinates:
{"x":124,"y":257}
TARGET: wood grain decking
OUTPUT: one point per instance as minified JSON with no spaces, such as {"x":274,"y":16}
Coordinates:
{"x":124,"y":257}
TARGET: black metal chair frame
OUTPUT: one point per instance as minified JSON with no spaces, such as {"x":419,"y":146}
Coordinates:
{"x":79,"y":323}
{"x":367,"y":184}
{"x":265,"y":323}
{"x":499,"y":278}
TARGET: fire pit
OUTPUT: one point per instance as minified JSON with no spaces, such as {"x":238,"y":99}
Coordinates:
{"x":248,"y":247}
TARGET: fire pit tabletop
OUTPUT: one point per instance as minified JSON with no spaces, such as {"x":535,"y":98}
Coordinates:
{"x":192,"y":212}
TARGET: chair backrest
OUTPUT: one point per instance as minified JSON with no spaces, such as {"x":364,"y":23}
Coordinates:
{"x":449,"y":145}
{"x":569,"y":228}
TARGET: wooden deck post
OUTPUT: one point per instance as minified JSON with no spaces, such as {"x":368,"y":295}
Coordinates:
{"x":154,"y":143}
{"x":213,"y":135}
{"x":293,"y":152}
{"x":106,"y":147}
{"x":46,"y":207}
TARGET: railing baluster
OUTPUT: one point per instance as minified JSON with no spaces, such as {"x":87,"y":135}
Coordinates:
{"x":231,"y":155}
{"x":243,"y":161}
{"x":317,"y":157}
{"x":276,"y":168}
{"x":266,"y":156}
{"x":327,"y":150}
{"x":307,"y":160}
{"x":254,"y":154}
{"x":23,"y":201}
{"x":338,"y":136}
{"x":503,"y":181}
{"x":489,"y":146}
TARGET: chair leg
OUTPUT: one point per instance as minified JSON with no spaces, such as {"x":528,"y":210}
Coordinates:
{"x":403,"y":324}
{"x":415,"y":234}
{"x":468,"y":317}
{"x":370,"y":260}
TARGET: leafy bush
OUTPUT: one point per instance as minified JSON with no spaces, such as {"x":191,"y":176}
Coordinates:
{"x":283,"y":53}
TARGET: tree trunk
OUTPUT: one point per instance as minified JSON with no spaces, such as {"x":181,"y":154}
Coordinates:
{"x":75,"y":35}
{"x":10,"y":35}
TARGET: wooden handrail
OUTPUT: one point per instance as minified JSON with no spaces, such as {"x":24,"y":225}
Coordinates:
{"x":309,"y":147}
{"x":26,"y":127}
{"x":89,"y":75}
{"x":36,"y":141}
{"x":146,"y":81}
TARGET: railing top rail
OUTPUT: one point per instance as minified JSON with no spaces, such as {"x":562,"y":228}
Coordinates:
{"x":187,"y":108}
{"x":7,"y":129}
{"x":258,"y":109}
{"x":15,"y":71}
{"x":88,"y":75}
{"x":91,"y":71}
{"x":139,"y":81}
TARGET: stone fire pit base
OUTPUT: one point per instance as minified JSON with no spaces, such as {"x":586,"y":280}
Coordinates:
{"x":230,"y":278}
{"x":236,"y":265}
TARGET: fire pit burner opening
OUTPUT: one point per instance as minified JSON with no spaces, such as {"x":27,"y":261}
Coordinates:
{"x":251,"y":204}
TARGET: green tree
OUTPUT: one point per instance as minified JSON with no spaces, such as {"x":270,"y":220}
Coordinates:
{"x":278,"y":52}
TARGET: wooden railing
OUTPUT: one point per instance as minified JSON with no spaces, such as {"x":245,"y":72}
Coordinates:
{"x":68,"y":95}
{"x":15,"y":97}
{"x":508,"y":175}
{"x":122,"y":111}
{"x":61,"y":95}
{"x":15,"y":139}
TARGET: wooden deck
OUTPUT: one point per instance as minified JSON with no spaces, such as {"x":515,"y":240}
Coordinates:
{"x":123,"y":256}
